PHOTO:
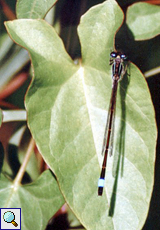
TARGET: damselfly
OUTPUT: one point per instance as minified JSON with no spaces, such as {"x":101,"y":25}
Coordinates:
{"x":118,"y":70}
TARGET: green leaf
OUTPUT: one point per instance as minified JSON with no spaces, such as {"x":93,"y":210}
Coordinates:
{"x":38,"y":201}
{"x":67,"y":112}
{"x":143,"y":20}
{"x":6,"y":44}
{"x":33,"y":9}
{"x":1,"y":117}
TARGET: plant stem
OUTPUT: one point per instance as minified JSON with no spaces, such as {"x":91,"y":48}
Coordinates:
{"x":17,"y":180}
{"x":152,"y":72}
{"x":13,"y":85}
{"x":7,"y":11}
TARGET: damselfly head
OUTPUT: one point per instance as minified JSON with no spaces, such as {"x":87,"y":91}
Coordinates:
{"x":118,"y":55}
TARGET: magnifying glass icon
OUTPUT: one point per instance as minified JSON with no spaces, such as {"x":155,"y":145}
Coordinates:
{"x":9,"y":217}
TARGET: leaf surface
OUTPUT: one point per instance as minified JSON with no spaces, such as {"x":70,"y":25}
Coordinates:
{"x":38,"y":201}
{"x":33,"y":9}
{"x":143,"y":20}
{"x":67,"y":112}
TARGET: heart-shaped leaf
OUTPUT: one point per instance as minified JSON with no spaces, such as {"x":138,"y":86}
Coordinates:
{"x":38,"y":201}
{"x":33,"y":9}
{"x":143,"y":20}
{"x":67,"y":111}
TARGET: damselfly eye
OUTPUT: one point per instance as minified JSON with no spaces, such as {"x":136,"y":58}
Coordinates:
{"x":113,"y":54}
{"x":123,"y":56}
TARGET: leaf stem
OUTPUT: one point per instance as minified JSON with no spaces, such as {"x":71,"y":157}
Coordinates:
{"x":17,"y":180}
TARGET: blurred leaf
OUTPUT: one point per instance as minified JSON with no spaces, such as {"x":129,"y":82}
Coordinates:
{"x":18,"y":145}
{"x":5,"y":45}
{"x":67,"y":111}
{"x":143,"y":20}
{"x":13,"y":154}
{"x":72,"y":219}
{"x":1,"y":117}
{"x":14,"y":115}
{"x":38,"y":201}
{"x":17,"y":136}
{"x":32,"y":167}
{"x":33,"y":9}
{"x":16,"y":62}
{"x":14,"y":163}
{"x":50,"y":17}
